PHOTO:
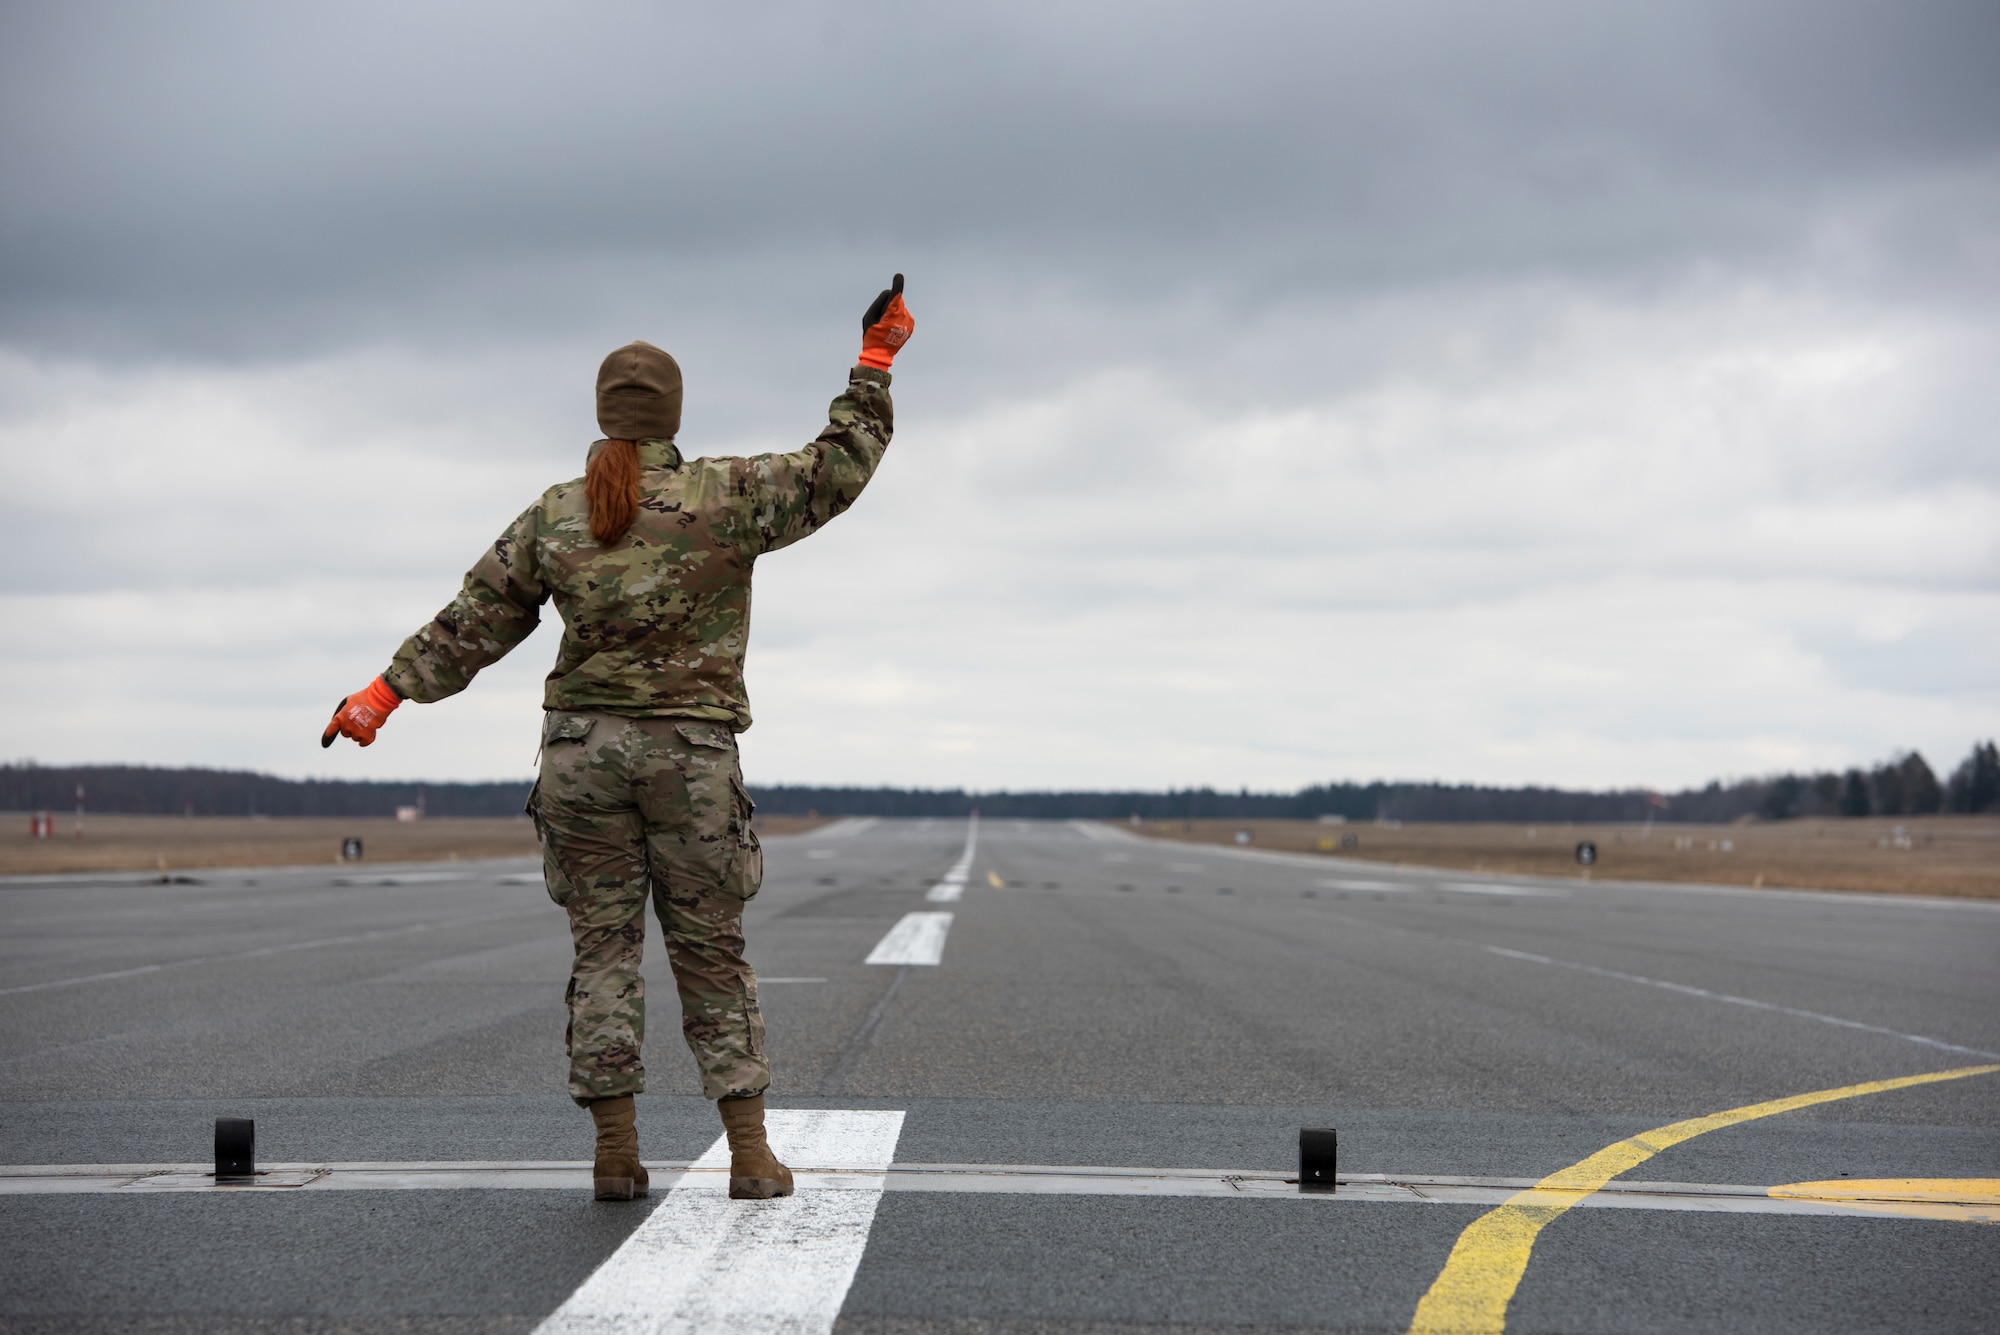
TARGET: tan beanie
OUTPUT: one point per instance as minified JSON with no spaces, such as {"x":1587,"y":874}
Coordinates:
{"x":639,"y":394}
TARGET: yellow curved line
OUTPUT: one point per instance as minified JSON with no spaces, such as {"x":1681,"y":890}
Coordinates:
{"x":1471,"y":1293}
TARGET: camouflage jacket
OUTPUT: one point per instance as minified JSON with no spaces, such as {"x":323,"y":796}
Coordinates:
{"x":656,"y":623}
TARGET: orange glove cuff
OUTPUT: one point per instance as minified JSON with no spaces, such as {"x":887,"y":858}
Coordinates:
{"x":380,"y":696}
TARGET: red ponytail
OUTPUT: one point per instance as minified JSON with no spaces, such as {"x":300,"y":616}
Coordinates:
{"x":611,"y":485}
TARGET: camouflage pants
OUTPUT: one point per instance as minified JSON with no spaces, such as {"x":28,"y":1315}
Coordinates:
{"x":631,"y":806}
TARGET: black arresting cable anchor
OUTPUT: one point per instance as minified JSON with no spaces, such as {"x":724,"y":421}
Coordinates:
{"x":1318,"y":1151}
{"x":235,"y":1149}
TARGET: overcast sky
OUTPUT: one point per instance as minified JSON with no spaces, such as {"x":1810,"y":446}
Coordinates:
{"x":1581,"y":393}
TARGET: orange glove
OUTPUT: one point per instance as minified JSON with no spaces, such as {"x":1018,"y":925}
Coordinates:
{"x":886,"y":328}
{"x":360,"y":714}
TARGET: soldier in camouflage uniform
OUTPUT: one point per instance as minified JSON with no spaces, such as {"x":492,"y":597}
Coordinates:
{"x":648,"y":559}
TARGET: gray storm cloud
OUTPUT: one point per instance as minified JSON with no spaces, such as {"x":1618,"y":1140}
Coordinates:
{"x":361,"y":171}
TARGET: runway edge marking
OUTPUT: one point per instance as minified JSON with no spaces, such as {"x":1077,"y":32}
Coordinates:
{"x":1471,"y":1293}
{"x":702,"y":1262}
{"x":1109,"y":832}
{"x":261,"y":952}
{"x":1706,"y":995}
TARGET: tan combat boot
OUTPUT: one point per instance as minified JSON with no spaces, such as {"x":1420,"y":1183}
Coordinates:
{"x":618,"y":1175}
{"x":754,"y":1172}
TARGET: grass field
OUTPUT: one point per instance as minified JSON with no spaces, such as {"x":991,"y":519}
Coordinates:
{"x":170,"y":844}
{"x":1918,"y":855}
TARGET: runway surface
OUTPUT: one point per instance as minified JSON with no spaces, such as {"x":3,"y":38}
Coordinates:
{"x":1096,"y":1003}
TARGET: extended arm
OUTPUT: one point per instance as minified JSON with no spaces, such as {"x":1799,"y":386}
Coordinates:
{"x":497,"y":607}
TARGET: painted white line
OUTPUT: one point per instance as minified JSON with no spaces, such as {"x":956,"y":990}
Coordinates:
{"x":1707,"y":995}
{"x":917,"y":939}
{"x":831,"y":1173}
{"x":1961,"y":904}
{"x":844,"y":829}
{"x":239,"y":877}
{"x":952,"y":888}
{"x":356,"y":938}
{"x":1397,"y":887}
{"x":702,"y":1262}
{"x":1488,"y":888}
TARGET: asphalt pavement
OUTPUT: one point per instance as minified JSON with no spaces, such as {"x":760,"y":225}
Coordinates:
{"x":1098,"y":1001}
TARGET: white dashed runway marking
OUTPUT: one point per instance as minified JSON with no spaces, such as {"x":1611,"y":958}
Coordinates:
{"x":952,"y":888}
{"x":917,"y":939}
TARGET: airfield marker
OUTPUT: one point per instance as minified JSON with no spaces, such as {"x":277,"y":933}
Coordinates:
{"x":1319,"y":1154}
{"x":235,"y":1149}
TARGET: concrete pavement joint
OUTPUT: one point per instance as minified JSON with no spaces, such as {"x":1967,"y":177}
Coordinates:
{"x":1972,"y":1199}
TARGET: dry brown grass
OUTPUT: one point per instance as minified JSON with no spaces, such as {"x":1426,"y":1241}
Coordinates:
{"x":1936,"y":855}
{"x":172,"y":843}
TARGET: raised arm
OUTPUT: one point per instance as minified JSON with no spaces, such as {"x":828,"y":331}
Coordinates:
{"x":783,"y":497}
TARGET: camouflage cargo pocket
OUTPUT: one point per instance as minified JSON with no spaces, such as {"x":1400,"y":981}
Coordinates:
{"x":566,"y":728}
{"x":700,"y":732}
{"x":553,"y":880}
{"x":563,"y":730}
{"x":746,"y":867}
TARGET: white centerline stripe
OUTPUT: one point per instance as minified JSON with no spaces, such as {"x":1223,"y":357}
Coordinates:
{"x":917,"y":939}
{"x":702,"y":1262}
{"x":1707,"y":995}
{"x":952,"y":888}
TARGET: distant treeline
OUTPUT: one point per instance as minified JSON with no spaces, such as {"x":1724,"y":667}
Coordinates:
{"x":1902,"y":786}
